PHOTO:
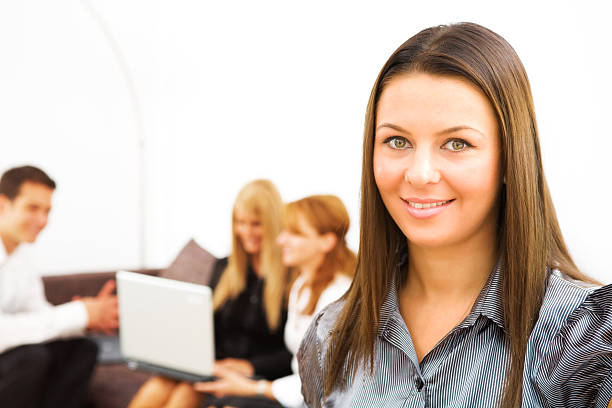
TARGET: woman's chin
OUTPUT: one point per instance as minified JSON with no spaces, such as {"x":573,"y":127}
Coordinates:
{"x":252,"y":250}
{"x":430,"y":241}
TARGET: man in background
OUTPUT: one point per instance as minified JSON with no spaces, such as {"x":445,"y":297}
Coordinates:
{"x":43,"y":361}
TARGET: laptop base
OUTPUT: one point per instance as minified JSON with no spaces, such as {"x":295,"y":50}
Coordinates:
{"x":168,"y":372}
{"x":109,"y":350}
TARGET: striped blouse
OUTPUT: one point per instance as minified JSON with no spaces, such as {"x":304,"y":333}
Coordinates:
{"x":568,"y":361}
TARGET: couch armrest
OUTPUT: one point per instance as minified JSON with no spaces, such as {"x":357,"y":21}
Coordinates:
{"x":61,"y":288}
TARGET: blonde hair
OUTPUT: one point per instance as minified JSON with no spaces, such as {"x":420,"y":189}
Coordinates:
{"x":262,"y":199}
{"x":326,"y":214}
{"x":529,"y":237}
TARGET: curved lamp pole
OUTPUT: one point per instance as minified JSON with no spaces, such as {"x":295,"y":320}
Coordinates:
{"x":142,"y":204}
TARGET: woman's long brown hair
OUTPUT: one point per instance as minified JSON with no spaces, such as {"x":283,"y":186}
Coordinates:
{"x":261,"y":198}
{"x":529,"y":236}
{"x":326,"y":214}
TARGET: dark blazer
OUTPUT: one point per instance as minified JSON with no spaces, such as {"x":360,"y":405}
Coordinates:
{"x":241,"y":329}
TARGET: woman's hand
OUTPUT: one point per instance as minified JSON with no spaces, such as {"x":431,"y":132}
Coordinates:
{"x":229,"y":383}
{"x":237,"y":365}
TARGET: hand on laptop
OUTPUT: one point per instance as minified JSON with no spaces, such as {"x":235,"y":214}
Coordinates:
{"x":103,"y":310}
{"x":232,"y":383}
{"x":237,"y":365}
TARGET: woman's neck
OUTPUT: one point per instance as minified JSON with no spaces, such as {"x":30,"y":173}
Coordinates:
{"x":308,"y":273}
{"x":255,"y":262}
{"x":310,"y":270}
{"x":441,"y":288}
{"x":455,"y":272}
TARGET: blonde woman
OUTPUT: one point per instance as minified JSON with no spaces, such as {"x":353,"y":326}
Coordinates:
{"x":249,"y":301}
{"x":314,"y":246}
{"x":465,"y":294}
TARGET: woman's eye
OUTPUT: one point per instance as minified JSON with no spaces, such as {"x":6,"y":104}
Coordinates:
{"x":456,"y":145}
{"x":397,"y":142}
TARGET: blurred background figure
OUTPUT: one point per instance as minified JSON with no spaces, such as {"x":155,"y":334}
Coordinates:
{"x":249,"y":301}
{"x":42,"y":364}
{"x":314,"y":246}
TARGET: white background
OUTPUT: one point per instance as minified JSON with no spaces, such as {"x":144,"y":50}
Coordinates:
{"x":226,"y":91}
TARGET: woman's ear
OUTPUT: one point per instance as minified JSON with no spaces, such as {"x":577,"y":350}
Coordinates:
{"x":329,"y":241}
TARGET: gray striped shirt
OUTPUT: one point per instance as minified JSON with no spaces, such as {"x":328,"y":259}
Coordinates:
{"x":568,"y":361}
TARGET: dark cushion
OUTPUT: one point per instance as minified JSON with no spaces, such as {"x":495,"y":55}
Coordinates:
{"x":193,"y":264}
{"x":61,"y":288}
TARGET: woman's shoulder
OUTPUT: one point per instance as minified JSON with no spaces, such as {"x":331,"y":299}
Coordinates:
{"x":319,"y":331}
{"x":569,"y":356}
{"x":336,"y":288}
{"x":312,"y":352}
{"x":342,"y":280}
{"x":217,"y":271}
{"x":569,"y":304}
{"x":334,"y":291}
{"x":222,"y":262}
{"x":298,"y":282}
{"x":567,"y":297}
{"x":324,"y":321}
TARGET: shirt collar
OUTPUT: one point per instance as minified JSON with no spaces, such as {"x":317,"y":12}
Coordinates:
{"x":488,"y":303}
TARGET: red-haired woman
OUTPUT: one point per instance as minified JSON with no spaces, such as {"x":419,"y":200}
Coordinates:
{"x":314,"y":246}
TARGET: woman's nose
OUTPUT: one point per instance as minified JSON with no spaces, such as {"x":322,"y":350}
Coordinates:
{"x":421,"y":169}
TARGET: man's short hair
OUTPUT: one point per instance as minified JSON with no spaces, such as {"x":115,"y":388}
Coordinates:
{"x":13,"y":179}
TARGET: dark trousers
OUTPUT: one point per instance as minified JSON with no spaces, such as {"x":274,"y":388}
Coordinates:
{"x":47,"y":375}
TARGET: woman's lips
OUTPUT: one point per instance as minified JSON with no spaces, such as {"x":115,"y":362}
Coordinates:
{"x":425,"y":208}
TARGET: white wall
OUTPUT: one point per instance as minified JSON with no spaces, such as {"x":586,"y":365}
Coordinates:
{"x":230,"y":91}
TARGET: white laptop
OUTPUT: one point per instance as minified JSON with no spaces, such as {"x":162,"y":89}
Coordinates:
{"x":166,"y":326}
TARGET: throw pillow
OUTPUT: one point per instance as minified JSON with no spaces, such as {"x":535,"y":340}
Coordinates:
{"x":193,"y":264}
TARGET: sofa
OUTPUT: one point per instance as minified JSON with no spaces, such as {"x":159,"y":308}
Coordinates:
{"x":113,"y":385}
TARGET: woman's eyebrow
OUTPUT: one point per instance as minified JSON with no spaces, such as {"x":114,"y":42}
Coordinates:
{"x":458,"y":128}
{"x":392,"y":126}
{"x":442,"y":132}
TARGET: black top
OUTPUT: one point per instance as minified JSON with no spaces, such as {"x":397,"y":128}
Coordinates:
{"x":241,"y":328}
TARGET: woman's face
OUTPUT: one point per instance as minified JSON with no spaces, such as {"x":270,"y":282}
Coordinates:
{"x":249,"y":230}
{"x":437,"y":159}
{"x":304,"y":247}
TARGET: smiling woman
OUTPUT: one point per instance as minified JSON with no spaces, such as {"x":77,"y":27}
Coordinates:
{"x":441,"y":186}
{"x":465,"y":293}
{"x":249,"y":297}
{"x":313,"y":244}
{"x":437,"y":160}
